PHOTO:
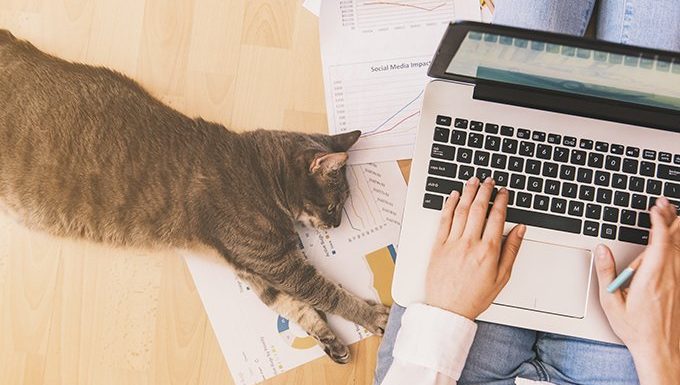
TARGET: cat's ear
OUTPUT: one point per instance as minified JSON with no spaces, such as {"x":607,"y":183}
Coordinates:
{"x":324,"y":163}
{"x":342,"y":142}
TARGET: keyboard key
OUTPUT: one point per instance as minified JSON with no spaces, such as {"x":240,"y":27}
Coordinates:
{"x":552,"y":187}
{"x":593,"y":211}
{"x":441,"y":134}
{"x":602,"y":178}
{"x":569,"y":141}
{"x":460,"y":123}
{"x":619,"y":181}
{"x":507,"y":131}
{"x":527,"y":149}
{"x":466,"y":172}
{"x":608,"y":231}
{"x":630,"y":166}
{"x":509,"y":146}
{"x":442,"y":168}
{"x":558,"y":206}
{"x":584,"y":175}
{"x":434,"y":202}
{"x":443,"y":120}
{"x":523,"y":133}
{"x":541,"y":202}
{"x":483,"y":173}
{"x":649,"y":154}
{"x":602,"y":146}
{"x":523,"y":199}
{"x":501,"y":178}
{"x":561,"y":154}
{"x":441,"y":151}
{"x":464,"y":155}
{"x":511,"y":197}
{"x":668,"y":172}
{"x":492,"y":143}
{"x":648,"y":168}
{"x":548,"y":221}
{"x":569,"y":190}
{"x":639,"y":202}
{"x":518,"y":181}
{"x":591,"y":228}
{"x":476,"y":126}
{"x":475,"y":140}
{"x":550,"y":169}
{"x":644,"y":221}
{"x":578,"y":157}
{"x":636,"y":184}
{"x":633,"y":152}
{"x":538,"y":136}
{"x":628,"y":217}
{"x":516,"y":164}
{"x":535,"y":184}
{"x":491,"y":128}
{"x":676,"y":158}
{"x":533,"y":167}
{"x":626,"y":234}
{"x":567,"y":172}
{"x":554,"y":138}
{"x":586,"y":193}
{"x":481,"y":158}
{"x":621,"y":198}
{"x":665,"y":157}
{"x":613,"y":163}
{"x":595,"y":160}
{"x":499,"y":161}
{"x":654,"y":187}
{"x":576,"y":208}
{"x":443,"y":186}
{"x":586,"y":144}
{"x":604,"y":196}
{"x":544,"y":151}
{"x":671,"y":190}
{"x":617,"y":149}
{"x":458,"y":137}
{"x":610,"y":214}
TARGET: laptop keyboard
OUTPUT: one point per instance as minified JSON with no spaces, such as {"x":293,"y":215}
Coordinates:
{"x":556,"y":182}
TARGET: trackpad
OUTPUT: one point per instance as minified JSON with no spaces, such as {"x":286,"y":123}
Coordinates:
{"x":549,"y":278}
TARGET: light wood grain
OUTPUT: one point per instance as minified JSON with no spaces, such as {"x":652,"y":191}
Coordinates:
{"x":74,"y":312}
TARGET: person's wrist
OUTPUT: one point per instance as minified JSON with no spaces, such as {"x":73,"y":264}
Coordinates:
{"x":656,"y":363}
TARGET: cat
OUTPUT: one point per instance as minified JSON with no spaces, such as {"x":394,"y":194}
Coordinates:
{"x":86,"y":152}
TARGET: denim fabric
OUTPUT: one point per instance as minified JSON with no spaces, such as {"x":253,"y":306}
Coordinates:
{"x":501,"y":353}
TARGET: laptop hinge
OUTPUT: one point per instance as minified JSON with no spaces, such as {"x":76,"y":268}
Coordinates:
{"x":580,"y":105}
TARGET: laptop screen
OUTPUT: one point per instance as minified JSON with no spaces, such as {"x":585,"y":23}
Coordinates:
{"x":647,"y":80}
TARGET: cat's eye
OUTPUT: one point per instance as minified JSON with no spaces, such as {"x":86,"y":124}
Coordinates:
{"x":331,"y":208}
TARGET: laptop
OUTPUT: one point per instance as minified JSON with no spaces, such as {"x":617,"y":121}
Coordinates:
{"x":584,"y":134}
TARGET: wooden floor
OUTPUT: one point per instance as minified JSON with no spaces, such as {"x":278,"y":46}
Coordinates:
{"x":80,"y":313}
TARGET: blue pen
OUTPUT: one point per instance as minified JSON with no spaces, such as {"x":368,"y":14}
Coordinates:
{"x":624,"y":276}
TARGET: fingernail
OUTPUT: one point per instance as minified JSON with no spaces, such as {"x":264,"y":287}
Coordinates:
{"x":522,"y":230}
{"x":489,"y":180}
{"x":503,"y":190}
{"x":473,"y":180}
{"x":454,"y":193}
{"x":601,"y":251}
{"x":662,"y":202}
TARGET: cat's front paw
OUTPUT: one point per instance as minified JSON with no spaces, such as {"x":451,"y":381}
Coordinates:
{"x":377,"y":319}
{"x":336,"y":350}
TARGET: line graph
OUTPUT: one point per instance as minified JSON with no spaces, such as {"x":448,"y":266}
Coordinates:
{"x":380,"y":15}
{"x":382,"y":99}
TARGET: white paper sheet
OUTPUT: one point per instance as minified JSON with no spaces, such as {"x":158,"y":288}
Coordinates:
{"x":256,"y":342}
{"x":375,"y":58}
{"x":313,"y":6}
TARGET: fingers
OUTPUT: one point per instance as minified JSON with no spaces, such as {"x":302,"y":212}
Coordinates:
{"x":460,"y":215}
{"x":667,"y":210}
{"x":509,"y":252}
{"x":494,"y":225}
{"x":447,"y":217}
{"x":480,"y":206}
{"x":605,"y":266}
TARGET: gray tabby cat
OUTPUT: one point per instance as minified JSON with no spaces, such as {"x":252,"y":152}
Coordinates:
{"x":86,"y":152}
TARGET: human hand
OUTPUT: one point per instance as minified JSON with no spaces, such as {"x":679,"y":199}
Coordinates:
{"x":470,"y":264}
{"x":646,"y":316}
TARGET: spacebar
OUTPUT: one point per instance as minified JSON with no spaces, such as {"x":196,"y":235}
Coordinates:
{"x":547,"y":221}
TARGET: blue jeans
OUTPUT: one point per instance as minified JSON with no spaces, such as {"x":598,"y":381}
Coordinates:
{"x":500,"y":353}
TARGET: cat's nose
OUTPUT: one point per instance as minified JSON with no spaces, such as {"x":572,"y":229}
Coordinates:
{"x":336,"y":223}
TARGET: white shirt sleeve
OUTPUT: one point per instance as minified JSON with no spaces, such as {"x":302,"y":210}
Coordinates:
{"x":431,"y":347}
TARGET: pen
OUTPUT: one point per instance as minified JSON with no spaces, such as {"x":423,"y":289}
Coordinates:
{"x":624,"y":276}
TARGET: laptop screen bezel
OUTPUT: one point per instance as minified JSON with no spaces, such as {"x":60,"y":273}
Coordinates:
{"x":458,"y":31}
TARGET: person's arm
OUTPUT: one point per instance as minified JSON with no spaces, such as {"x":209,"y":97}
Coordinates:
{"x":646,"y":316}
{"x":469,"y":265}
